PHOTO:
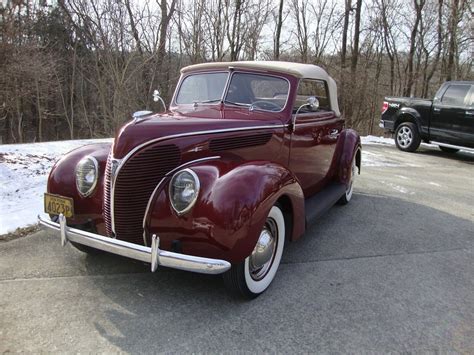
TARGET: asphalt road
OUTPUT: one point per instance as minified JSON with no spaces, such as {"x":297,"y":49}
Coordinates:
{"x":391,"y":271}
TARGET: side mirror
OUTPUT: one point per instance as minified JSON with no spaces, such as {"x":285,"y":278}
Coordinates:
{"x":157,"y":97}
{"x":312,"y":102}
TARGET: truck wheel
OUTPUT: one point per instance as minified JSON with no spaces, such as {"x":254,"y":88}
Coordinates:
{"x":448,"y":150}
{"x":344,"y":200}
{"x":407,"y":137}
{"x":252,"y":277}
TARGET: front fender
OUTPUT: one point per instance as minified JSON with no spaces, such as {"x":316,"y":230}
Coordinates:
{"x":233,"y":203}
{"x":62,"y":181}
{"x":349,"y":147}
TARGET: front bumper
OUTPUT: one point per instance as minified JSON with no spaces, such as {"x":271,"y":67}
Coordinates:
{"x":152,"y":255}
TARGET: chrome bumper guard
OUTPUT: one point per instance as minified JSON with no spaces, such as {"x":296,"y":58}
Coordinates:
{"x":152,"y":255}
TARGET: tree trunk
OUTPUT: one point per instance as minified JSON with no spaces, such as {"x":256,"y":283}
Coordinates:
{"x":276,"y":48}
{"x":411,"y":53}
{"x":452,"y":39}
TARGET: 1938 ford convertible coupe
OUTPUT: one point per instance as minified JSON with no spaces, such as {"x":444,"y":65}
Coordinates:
{"x":246,"y":157}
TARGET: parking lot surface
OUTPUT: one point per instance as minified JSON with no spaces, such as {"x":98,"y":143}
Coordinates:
{"x":391,"y":271}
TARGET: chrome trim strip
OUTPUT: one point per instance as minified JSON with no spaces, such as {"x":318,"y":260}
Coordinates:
{"x":148,"y":206}
{"x":153,"y":255}
{"x":134,"y":150}
{"x":113,"y":174}
{"x":453,"y":146}
{"x":191,"y":162}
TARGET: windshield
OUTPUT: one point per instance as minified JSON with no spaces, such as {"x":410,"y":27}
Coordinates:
{"x":206,"y":87}
{"x":255,"y":91}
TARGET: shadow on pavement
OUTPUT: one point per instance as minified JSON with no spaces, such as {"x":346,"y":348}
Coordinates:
{"x":460,"y":156}
{"x":333,"y":291}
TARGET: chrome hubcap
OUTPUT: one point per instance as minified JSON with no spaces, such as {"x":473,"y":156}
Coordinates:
{"x":404,"y":136}
{"x":263,"y":254}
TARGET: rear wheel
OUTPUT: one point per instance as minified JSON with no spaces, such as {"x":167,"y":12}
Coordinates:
{"x":407,"y":137}
{"x":448,"y":150}
{"x":251,"y":277}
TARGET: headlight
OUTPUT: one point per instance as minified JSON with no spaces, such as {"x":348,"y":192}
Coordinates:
{"x":86,"y":175}
{"x":184,"y":190}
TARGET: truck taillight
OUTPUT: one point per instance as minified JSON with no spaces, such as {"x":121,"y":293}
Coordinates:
{"x":384,"y":107}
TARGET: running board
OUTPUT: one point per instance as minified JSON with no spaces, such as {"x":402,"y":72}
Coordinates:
{"x":452,"y":146}
{"x":317,"y":205}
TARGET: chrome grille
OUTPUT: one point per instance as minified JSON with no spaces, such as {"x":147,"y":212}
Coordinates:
{"x":106,"y":206}
{"x":135,"y":183}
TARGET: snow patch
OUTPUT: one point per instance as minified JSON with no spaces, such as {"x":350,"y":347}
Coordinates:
{"x":402,"y":177}
{"x":398,"y":188}
{"x":376,"y":140}
{"x":376,"y":160}
{"x":24,"y":170}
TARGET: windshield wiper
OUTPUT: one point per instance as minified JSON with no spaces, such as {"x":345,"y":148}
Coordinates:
{"x":236,"y":103}
{"x":207,"y":101}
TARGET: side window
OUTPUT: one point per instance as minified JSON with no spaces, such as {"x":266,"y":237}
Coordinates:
{"x":307,"y":88}
{"x":469,"y":100}
{"x":457,"y":95}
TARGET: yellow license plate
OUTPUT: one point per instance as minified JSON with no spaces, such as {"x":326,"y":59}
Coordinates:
{"x":55,"y":204}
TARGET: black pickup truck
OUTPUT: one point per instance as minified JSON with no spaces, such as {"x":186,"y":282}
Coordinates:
{"x":447,"y":120}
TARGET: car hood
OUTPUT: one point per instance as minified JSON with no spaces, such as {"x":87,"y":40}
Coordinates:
{"x":175,"y":124}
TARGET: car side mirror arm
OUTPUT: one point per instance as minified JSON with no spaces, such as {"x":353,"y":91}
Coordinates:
{"x":157,"y":97}
{"x":311,"y":102}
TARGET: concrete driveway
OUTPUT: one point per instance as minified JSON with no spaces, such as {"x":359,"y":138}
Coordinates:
{"x":392,"y":271}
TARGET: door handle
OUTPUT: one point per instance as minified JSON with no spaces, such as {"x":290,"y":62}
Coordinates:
{"x":436,"y":109}
{"x":470,"y":113}
{"x":333,"y":133}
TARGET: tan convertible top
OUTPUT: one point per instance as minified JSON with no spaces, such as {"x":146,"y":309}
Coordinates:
{"x":304,"y":71}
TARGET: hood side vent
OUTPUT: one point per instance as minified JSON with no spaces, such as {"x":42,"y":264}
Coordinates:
{"x":240,"y":142}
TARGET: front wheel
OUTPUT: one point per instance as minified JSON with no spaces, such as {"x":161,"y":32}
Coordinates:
{"x":251,"y":277}
{"x":407,"y":137}
{"x":344,"y":200}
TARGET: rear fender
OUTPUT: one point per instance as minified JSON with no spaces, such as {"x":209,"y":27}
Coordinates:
{"x":234,"y":200}
{"x":349,"y":147}
{"x":407,"y":114}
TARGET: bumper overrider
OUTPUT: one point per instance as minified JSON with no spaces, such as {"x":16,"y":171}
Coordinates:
{"x":152,"y":255}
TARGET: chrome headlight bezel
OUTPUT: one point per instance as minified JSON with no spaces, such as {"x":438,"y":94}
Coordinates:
{"x":95,"y":165}
{"x":192,"y":202}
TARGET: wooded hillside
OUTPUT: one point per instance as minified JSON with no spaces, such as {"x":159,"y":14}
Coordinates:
{"x":80,"y":68}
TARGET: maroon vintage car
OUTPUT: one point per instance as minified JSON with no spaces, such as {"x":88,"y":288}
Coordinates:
{"x":247,"y":156}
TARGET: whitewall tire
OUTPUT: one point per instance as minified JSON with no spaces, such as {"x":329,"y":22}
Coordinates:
{"x":344,"y":200}
{"x":252,"y":277}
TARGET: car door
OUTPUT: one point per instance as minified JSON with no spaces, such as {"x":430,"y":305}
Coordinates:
{"x":314,"y":136}
{"x":453,"y":115}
